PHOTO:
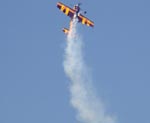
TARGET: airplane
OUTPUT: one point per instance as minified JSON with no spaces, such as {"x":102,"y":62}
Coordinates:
{"x":74,"y":13}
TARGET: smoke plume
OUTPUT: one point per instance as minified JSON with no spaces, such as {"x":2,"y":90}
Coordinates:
{"x":89,"y":108}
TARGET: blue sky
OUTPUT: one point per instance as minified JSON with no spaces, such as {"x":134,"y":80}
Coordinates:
{"x":33,"y":86}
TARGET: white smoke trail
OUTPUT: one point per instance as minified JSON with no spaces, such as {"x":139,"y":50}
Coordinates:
{"x":89,"y":108}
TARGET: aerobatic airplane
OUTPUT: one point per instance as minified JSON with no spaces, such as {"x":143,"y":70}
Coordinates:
{"x":74,"y":13}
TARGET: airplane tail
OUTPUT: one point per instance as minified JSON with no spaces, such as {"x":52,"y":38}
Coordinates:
{"x":65,"y":30}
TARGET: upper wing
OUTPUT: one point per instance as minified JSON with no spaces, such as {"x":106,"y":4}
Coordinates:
{"x":65,"y":9}
{"x":85,"y":20}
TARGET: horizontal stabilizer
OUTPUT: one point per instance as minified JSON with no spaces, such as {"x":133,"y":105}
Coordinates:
{"x":65,"y":30}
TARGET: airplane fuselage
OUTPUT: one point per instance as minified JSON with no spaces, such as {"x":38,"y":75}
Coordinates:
{"x":74,"y":13}
{"x":76,"y":8}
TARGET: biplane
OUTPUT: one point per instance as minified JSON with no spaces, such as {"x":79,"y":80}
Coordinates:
{"x":74,"y":13}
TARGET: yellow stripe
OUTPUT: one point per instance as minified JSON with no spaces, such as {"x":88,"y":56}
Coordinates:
{"x":83,"y":21}
{"x":67,"y":11}
{"x":62,"y":7}
{"x":88,"y":23}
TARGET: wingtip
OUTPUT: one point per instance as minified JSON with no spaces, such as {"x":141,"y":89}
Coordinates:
{"x":58,"y":3}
